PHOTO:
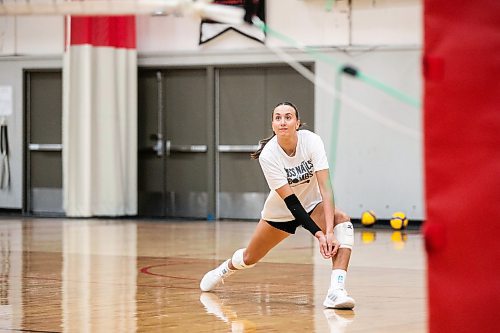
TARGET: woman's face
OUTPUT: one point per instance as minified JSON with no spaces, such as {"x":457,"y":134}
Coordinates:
{"x":285,"y":122}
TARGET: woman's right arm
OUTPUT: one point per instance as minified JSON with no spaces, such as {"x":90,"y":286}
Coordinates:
{"x":300,"y":214}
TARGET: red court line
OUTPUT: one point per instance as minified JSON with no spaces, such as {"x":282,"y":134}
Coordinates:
{"x":146,"y":269}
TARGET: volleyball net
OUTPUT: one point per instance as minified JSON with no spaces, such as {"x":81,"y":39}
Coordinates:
{"x":204,"y":9}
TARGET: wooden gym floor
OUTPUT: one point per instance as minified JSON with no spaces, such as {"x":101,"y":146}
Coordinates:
{"x":77,"y":275}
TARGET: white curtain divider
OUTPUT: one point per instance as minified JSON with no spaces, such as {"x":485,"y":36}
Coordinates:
{"x":100,"y":131}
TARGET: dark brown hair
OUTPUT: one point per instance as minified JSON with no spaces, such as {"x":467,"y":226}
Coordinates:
{"x":262,"y":143}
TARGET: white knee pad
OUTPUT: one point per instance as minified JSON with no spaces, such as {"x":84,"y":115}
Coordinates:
{"x":344,"y":232}
{"x":237,"y":260}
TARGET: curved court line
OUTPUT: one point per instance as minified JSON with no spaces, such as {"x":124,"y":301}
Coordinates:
{"x":145,"y":270}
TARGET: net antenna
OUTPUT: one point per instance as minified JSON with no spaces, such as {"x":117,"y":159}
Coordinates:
{"x":203,"y":9}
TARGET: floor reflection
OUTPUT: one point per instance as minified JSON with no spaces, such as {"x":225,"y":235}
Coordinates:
{"x":99,"y":277}
{"x":338,"y":320}
{"x":11,"y":305}
{"x":214,"y":306}
{"x":75,"y":275}
{"x":399,"y":239}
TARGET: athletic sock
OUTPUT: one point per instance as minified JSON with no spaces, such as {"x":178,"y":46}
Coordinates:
{"x":225,"y":266}
{"x":337,"y":280}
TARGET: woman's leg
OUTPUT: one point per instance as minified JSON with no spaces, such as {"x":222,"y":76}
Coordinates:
{"x":336,"y":297}
{"x":264,"y":238}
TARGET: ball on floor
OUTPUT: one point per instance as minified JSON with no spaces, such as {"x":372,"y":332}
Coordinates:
{"x":368,"y":218}
{"x":399,"y":221}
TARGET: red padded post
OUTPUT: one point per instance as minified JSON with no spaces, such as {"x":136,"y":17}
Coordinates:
{"x":462,"y":164}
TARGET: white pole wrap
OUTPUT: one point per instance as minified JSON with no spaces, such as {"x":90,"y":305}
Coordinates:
{"x":100,"y":131}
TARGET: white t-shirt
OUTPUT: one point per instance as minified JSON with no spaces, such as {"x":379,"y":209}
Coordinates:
{"x":298,"y":171}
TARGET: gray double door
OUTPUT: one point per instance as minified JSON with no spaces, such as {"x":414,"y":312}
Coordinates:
{"x":197,"y":128}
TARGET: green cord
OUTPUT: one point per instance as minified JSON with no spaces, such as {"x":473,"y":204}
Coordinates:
{"x":389,"y":90}
{"x":336,"y":119}
{"x":329,"y":5}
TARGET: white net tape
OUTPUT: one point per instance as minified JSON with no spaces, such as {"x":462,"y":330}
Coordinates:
{"x":204,"y":9}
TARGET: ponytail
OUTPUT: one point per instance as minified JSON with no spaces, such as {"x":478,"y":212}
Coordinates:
{"x":262,"y":143}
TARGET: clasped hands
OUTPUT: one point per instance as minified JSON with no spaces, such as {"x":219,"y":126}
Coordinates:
{"x":328,"y":244}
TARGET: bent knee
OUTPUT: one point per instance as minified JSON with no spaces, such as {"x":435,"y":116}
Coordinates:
{"x":248,"y":259}
{"x":341,"y":217}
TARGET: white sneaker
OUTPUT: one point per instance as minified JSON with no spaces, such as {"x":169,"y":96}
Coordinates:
{"x":213,"y":278}
{"x":338,"y":299}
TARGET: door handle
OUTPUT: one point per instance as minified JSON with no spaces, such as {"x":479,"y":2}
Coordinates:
{"x":158,"y":147}
{"x":45,"y":147}
{"x":168,"y":147}
{"x":238,"y":148}
{"x":188,"y":148}
{"x":165,"y":147}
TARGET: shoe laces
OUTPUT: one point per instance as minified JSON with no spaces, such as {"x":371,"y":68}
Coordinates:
{"x":333,"y":294}
{"x":224,"y":273}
